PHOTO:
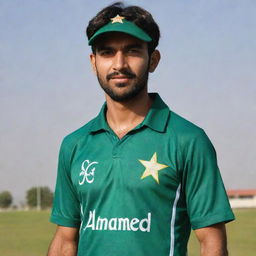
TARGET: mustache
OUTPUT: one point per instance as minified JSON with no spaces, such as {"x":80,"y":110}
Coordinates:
{"x":124,"y":72}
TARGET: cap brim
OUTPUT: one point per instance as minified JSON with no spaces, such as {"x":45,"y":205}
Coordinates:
{"x":126,"y":27}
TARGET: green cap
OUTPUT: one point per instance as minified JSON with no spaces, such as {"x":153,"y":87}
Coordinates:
{"x":120,"y":24}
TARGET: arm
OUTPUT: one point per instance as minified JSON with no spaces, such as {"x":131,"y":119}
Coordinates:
{"x":213,"y":240}
{"x":65,"y":242}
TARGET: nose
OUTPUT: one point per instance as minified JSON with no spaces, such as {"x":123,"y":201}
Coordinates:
{"x":119,"y":61}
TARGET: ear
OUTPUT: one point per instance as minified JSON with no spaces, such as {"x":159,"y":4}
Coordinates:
{"x":154,"y":60}
{"x":93,"y":62}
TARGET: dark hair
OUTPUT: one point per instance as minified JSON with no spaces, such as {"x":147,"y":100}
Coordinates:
{"x":137,"y":15}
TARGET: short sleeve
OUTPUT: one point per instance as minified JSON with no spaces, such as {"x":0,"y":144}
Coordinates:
{"x":206,"y":198}
{"x":66,"y":206}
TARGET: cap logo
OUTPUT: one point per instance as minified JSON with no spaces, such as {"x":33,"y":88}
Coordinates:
{"x":118,"y":19}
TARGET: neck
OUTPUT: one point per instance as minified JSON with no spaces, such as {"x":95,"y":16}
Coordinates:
{"x":124,"y":116}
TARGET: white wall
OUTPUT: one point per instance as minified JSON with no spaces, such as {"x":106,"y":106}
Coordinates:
{"x":243,"y":202}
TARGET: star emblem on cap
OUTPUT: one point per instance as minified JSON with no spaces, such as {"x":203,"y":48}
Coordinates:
{"x":152,"y":168}
{"x":118,"y":19}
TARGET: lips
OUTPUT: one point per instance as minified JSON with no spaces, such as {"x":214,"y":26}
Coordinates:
{"x":120,"y":79}
{"x":124,"y":75}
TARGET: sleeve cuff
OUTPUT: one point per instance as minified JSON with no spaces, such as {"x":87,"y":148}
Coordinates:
{"x":59,"y":220}
{"x":202,"y":222}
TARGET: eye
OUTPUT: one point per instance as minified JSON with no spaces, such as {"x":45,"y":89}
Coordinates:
{"x":106,"y":53}
{"x":134,"y":50}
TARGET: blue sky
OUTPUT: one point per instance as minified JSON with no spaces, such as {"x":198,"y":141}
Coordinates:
{"x":206,"y":74}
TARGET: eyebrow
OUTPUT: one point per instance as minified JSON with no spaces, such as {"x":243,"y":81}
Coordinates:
{"x":138,"y":46}
{"x":103,"y":48}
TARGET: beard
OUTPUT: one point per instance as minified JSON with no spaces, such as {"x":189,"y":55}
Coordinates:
{"x":139,"y":84}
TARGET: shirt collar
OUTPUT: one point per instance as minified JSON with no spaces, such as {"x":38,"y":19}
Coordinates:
{"x":158,"y":115}
{"x":156,"y":119}
{"x":100,"y":123}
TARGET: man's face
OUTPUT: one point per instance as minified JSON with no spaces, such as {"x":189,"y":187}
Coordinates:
{"x":121,"y":63}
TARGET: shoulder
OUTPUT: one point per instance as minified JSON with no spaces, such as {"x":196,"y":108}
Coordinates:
{"x":191,"y":140}
{"x":71,"y":140}
{"x":182,"y":127}
{"x":186,"y":134}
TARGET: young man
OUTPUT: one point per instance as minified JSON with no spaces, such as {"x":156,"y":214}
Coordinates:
{"x":134,"y":180}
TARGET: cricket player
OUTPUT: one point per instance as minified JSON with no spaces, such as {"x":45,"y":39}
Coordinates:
{"x":138,"y":177}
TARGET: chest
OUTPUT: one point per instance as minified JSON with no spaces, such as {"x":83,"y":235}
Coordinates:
{"x":134,"y":163}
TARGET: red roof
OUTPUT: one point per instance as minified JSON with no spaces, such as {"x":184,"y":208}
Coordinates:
{"x":241,"y":192}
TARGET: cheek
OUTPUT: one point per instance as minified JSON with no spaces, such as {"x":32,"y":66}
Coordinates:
{"x":103,"y":67}
{"x":139,"y":64}
{"x":101,"y":71}
{"x":141,"y":68}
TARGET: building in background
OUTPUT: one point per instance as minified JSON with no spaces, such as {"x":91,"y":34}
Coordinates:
{"x":245,"y":198}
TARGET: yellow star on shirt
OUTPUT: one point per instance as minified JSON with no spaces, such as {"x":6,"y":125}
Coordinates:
{"x":117,"y":19}
{"x":152,"y":168}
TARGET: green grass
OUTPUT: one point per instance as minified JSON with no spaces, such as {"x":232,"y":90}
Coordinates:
{"x":25,"y":233}
{"x":29,"y":234}
{"x":241,"y":235}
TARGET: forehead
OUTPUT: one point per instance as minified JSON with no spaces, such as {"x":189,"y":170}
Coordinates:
{"x":118,"y":40}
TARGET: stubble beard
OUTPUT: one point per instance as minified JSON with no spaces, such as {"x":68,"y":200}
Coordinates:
{"x":139,"y":85}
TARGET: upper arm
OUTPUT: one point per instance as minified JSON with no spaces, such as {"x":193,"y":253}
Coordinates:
{"x":216,"y":231}
{"x":206,"y":198}
{"x":65,"y":241}
{"x":66,"y":205}
{"x":67,"y":233}
{"x":213,"y":239}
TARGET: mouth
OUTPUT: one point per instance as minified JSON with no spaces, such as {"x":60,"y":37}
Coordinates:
{"x":121,"y":79}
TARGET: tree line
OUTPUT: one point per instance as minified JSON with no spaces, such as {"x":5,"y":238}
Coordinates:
{"x":41,"y":197}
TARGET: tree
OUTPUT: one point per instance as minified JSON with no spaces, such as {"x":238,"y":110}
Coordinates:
{"x":5,"y":199}
{"x":40,"y":197}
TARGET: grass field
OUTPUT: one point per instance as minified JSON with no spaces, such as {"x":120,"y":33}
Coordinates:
{"x":29,"y":234}
{"x":241,"y":235}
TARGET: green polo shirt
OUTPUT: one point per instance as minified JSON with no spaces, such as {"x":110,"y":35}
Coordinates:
{"x":139,"y":195}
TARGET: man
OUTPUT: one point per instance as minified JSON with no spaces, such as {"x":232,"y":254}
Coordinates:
{"x":135,"y":179}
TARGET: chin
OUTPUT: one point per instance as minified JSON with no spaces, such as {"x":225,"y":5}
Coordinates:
{"x":121,"y":85}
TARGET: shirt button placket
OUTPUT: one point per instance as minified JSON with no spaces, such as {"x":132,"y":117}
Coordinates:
{"x":115,"y":151}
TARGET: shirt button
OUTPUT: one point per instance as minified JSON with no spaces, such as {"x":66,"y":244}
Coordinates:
{"x":115,"y":152}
